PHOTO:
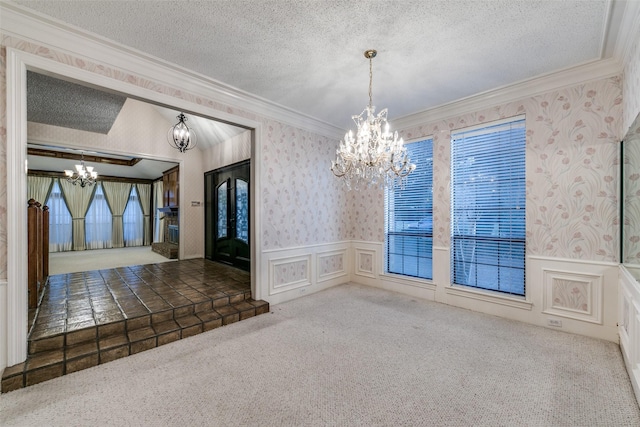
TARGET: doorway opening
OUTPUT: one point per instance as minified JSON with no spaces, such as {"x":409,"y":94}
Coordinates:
{"x":18,"y":63}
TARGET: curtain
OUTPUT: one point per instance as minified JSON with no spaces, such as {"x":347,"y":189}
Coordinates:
{"x":144,"y":195}
{"x":117,"y":194}
{"x":38,"y":188}
{"x":133,"y":221}
{"x":60,"y":229}
{"x":98,"y":222}
{"x":78,"y":199}
{"x":158,"y":201}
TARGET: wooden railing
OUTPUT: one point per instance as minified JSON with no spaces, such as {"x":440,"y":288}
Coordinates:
{"x":38,"y":254}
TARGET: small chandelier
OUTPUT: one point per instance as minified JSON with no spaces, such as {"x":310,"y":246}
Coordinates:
{"x":375,"y":156}
{"x":180,"y":136}
{"x":82,"y":175}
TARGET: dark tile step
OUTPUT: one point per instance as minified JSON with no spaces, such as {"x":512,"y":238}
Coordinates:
{"x":57,"y":356}
{"x":39,"y":342}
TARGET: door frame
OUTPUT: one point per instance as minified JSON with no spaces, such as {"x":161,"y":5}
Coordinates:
{"x":222,"y":169}
{"x":13,"y":349}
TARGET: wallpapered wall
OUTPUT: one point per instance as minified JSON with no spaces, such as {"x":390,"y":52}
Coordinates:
{"x":3,"y":162}
{"x":632,"y":153}
{"x":631,"y":87}
{"x":302,"y":203}
{"x":572,"y":166}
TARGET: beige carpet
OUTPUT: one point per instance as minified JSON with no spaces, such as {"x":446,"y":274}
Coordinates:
{"x":348,"y":356}
{"x":98,"y":259}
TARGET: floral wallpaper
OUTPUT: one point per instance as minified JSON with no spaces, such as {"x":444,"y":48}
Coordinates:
{"x":331,"y":264}
{"x":302,"y":201}
{"x":572,"y":164}
{"x":631,"y":88}
{"x":571,"y":294}
{"x":3,"y":162}
{"x":290,"y":272}
{"x":631,"y":227}
{"x":631,"y":196}
{"x":365,"y":262}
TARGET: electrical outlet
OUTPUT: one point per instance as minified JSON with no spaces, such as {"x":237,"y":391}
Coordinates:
{"x":554,"y":322}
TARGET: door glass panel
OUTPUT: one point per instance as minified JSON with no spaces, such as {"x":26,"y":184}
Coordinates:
{"x":222,"y":210}
{"x":242,"y":210}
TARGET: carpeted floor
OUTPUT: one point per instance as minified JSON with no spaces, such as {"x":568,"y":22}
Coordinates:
{"x":98,"y":259}
{"x":348,"y":356}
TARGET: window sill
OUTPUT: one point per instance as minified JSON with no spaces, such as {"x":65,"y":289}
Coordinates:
{"x":489,"y":296}
{"x":409,"y":281}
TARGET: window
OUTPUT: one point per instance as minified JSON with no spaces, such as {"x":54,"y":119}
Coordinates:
{"x":488,"y":207}
{"x":60,"y":227}
{"x":242,"y":210}
{"x":133,"y":220}
{"x":98,"y":221}
{"x":409,"y":217}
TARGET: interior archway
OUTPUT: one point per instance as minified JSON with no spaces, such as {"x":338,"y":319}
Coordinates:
{"x":18,"y":63}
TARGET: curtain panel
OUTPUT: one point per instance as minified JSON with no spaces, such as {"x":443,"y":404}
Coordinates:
{"x":38,"y":188}
{"x":158,"y":200}
{"x":117,"y":194}
{"x":78,"y":199}
{"x":60,"y":221}
{"x":98,"y":221}
{"x":144,"y":195}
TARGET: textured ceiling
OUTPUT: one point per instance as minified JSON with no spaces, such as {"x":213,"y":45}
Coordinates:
{"x":57,"y":102}
{"x":308,"y":55}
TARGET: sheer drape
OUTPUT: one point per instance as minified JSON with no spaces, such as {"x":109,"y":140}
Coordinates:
{"x":78,"y":199}
{"x":38,"y":188}
{"x":133,"y":221}
{"x":60,"y":234}
{"x":98,"y":222}
{"x":117,"y":194}
{"x":158,"y":226}
{"x":144,"y":194}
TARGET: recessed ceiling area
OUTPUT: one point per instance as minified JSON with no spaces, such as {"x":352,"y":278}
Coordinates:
{"x":56,"y":102}
{"x":57,"y":159}
{"x":60,"y":103}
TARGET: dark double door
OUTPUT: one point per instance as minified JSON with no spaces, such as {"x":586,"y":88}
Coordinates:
{"x":227,"y":215}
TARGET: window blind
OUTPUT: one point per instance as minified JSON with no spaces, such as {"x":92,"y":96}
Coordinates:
{"x":488,"y":207}
{"x":409,"y":217}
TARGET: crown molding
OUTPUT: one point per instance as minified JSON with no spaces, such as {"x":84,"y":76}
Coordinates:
{"x":627,"y":13}
{"x":571,"y":76}
{"x":31,"y":26}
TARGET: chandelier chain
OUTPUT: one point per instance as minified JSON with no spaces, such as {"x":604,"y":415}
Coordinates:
{"x":370,"y":81}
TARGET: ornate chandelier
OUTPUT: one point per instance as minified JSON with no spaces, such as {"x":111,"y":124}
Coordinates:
{"x":375,"y":156}
{"x":180,"y":136}
{"x":82,"y":175}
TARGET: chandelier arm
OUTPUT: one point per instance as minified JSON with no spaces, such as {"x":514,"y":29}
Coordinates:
{"x":343,"y":170}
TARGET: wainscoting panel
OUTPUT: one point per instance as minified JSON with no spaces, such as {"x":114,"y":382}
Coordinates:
{"x":331,"y":265}
{"x":293,"y":272}
{"x":573,"y":295}
{"x":366,"y":262}
{"x":629,"y":326}
{"x":289,"y":273}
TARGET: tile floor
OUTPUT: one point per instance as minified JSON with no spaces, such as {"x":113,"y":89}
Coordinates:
{"x":88,"y":318}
